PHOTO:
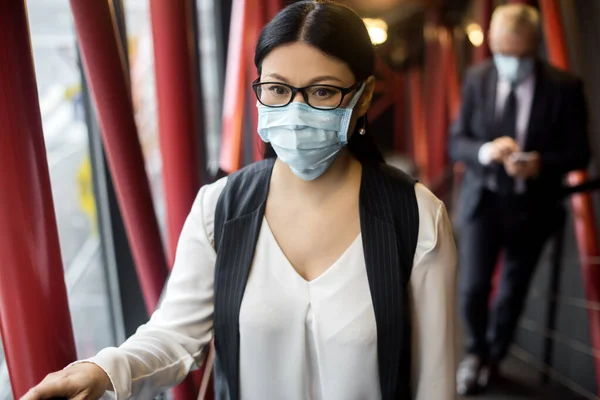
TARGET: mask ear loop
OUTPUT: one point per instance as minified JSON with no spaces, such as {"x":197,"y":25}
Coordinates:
{"x":357,"y":96}
{"x":348,"y":113}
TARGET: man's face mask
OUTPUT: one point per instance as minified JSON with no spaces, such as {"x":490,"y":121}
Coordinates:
{"x":306,"y":139}
{"x":513,"y":69}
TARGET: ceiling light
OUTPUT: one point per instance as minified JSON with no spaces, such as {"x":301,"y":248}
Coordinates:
{"x":475,"y":34}
{"x":378,"y":30}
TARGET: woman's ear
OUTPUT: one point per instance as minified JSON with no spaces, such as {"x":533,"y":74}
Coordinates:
{"x":367,"y":96}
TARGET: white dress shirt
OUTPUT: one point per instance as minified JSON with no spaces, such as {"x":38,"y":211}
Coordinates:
{"x":524,"y":92}
{"x":298,"y":340}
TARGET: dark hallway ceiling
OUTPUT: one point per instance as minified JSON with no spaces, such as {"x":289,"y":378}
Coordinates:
{"x":406,"y":21}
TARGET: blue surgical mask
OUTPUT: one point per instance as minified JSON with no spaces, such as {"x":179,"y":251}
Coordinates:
{"x":306,"y":139}
{"x":513,"y":69}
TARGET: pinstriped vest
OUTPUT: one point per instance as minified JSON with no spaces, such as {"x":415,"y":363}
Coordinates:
{"x":389,"y":222}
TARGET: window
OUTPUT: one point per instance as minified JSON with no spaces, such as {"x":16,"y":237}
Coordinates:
{"x":65,"y":133}
{"x":59,"y":84}
{"x":5,"y":389}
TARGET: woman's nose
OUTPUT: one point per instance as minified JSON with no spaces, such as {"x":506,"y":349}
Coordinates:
{"x":298,"y":98}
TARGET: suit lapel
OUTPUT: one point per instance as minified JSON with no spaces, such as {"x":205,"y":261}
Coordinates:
{"x":538,"y":107}
{"x":491,"y":87}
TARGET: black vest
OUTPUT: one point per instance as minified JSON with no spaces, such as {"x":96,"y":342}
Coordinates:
{"x":389,"y":222}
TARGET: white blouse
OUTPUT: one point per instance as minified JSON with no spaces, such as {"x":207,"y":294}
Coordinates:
{"x":299,"y":340}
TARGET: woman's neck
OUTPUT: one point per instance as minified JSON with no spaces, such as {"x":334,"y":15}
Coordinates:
{"x":345,"y":169}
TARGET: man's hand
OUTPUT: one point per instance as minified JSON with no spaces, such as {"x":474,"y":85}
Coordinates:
{"x":503,"y":147}
{"x":523,"y":169}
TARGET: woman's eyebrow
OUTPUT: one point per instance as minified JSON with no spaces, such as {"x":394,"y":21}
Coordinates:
{"x":277,"y":77}
{"x":325,"y":78}
{"x":317,"y":79}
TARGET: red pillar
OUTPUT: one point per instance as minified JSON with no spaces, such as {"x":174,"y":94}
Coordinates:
{"x":399,"y":113}
{"x":583,"y":211}
{"x":178,"y":111}
{"x":257,"y":16}
{"x":235,"y":89}
{"x":484,"y":16}
{"x":452,"y":80}
{"x":34,"y":314}
{"x":272,"y":8}
{"x":105,"y":68}
{"x":437,"y":119}
{"x":178,"y":119}
{"x":419,"y":132}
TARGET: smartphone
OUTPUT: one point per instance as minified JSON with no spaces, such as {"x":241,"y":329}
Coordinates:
{"x":521,"y":157}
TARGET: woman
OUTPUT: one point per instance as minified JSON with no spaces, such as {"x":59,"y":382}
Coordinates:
{"x":317,"y":288}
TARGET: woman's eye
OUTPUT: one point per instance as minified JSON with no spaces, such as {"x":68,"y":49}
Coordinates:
{"x":322,"y":92}
{"x":278,"y":90}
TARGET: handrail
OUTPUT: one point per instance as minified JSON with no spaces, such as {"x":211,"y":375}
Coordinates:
{"x":555,"y":270}
{"x":583,"y":212}
{"x":581,"y":187}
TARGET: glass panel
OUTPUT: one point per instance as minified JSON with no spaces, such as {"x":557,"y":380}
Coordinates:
{"x":212,"y":72}
{"x":59,"y":84}
{"x":65,"y":134}
{"x":5,"y":389}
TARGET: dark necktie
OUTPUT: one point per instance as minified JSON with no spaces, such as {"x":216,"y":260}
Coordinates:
{"x":508,"y":127}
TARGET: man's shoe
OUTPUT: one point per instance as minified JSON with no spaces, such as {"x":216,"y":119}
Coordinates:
{"x":489,"y":375}
{"x":467,"y":377}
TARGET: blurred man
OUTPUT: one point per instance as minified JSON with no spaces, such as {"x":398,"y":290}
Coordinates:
{"x":521,"y":128}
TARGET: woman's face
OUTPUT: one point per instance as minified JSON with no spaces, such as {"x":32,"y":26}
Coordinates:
{"x":299,"y":64}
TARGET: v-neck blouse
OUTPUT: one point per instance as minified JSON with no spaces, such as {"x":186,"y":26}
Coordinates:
{"x":313,"y":339}
{"x":299,"y":340}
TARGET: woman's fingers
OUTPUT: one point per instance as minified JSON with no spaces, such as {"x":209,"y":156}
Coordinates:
{"x":84,"y":381}
{"x":54,"y":385}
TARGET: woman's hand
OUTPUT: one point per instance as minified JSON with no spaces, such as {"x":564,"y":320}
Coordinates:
{"x":85,"y":381}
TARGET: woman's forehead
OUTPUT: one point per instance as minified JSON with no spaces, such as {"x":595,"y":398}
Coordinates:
{"x":300,"y":64}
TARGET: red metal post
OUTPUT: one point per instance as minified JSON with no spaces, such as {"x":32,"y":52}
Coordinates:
{"x":104,"y":64}
{"x":178,"y":111}
{"x":437,"y":120}
{"x":178,"y":118}
{"x":419,"y":132}
{"x":399,"y":113}
{"x":34,"y":313}
{"x":452,"y":80}
{"x":235,"y":89}
{"x":484,"y":15}
{"x":272,"y":8}
{"x":257,"y":16}
{"x":583,"y":212}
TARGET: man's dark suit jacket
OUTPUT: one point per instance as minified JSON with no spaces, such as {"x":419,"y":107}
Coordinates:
{"x":557,"y":130}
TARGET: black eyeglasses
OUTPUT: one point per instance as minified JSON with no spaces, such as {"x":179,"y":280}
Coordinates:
{"x":320,"y":97}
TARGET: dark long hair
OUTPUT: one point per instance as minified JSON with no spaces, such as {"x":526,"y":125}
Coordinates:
{"x":338,"y":32}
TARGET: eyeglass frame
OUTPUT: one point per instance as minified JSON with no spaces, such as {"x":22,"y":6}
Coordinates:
{"x":345,"y":91}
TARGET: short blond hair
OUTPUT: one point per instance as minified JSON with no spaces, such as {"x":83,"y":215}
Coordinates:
{"x":514,"y":17}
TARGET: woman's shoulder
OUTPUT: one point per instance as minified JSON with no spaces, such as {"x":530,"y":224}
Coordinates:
{"x":203,"y":210}
{"x":429,"y":204}
{"x":209,"y":194}
{"x":434,"y":223}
